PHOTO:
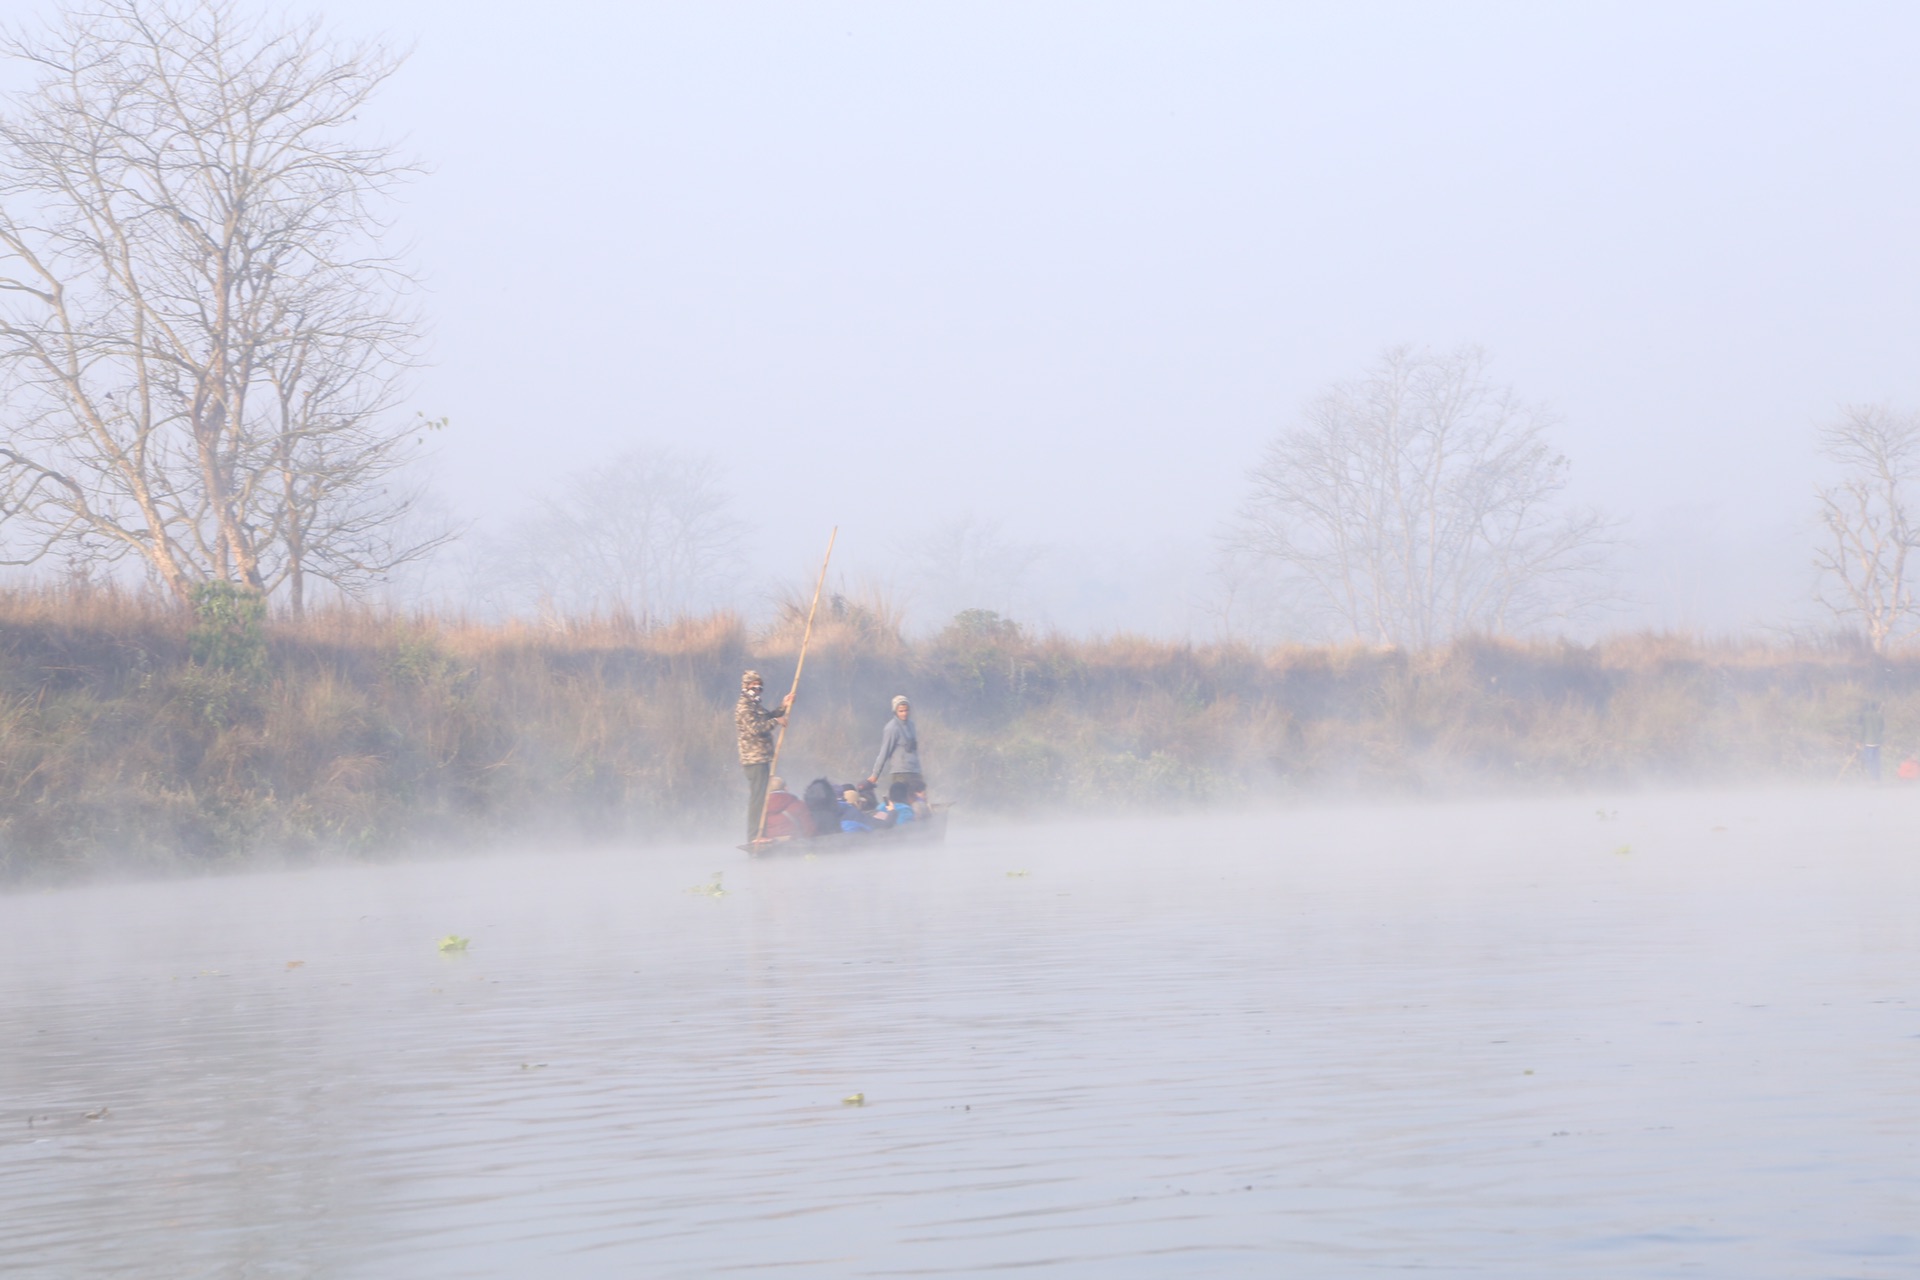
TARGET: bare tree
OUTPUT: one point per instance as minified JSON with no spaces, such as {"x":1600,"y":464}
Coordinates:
{"x":1868,"y":527}
{"x":648,"y":535}
{"x":969,"y":563}
{"x":201,"y":342}
{"x":1418,"y":502}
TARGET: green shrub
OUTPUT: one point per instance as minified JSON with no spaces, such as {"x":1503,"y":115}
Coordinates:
{"x":229,"y":629}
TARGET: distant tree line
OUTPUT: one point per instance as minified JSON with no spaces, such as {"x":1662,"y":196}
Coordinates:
{"x":204,"y":350}
{"x":1422,"y":501}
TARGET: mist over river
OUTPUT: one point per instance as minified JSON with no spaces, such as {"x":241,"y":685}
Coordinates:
{"x":1638,"y":1035}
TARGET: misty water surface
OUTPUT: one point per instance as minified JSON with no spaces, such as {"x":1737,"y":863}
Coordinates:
{"x":1519,"y":1039}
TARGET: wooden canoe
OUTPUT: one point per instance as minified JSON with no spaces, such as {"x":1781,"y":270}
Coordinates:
{"x":929,"y":830}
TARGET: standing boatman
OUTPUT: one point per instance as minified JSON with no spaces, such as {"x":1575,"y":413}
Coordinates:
{"x":900,"y":738}
{"x":756,"y":724}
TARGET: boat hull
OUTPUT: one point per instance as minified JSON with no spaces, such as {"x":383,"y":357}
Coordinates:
{"x":929,"y":830}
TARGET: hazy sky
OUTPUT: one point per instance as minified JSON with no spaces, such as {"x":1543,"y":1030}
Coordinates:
{"x":1067,"y":266}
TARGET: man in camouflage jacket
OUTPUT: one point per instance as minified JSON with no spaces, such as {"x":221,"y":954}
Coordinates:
{"x":755,"y":724}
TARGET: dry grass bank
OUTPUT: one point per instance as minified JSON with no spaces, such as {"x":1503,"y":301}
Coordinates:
{"x":123,"y":742}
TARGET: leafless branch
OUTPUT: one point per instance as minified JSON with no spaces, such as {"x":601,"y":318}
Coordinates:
{"x":646,"y":536}
{"x":1419,"y":502}
{"x":1867,"y":526}
{"x":201,"y":340}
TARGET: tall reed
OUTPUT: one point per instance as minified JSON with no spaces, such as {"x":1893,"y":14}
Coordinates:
{"x":370,"y":731}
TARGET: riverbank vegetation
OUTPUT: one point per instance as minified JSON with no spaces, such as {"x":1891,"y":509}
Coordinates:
{"x":133,"y":734}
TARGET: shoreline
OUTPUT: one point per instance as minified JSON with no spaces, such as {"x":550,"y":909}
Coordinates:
{"x":361,"y":734}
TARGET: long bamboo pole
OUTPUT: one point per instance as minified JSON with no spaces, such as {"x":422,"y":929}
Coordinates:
{"x":806,"y":638}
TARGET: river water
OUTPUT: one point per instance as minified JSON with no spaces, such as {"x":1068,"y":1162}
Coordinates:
{"x":1646,"y":1035}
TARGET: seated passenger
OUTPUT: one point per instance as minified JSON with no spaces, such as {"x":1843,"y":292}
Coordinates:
{"x":876,"y":813}
{"x":787,"y":816}
{"x":823,"y":805}
{"x":908,"y":802}
{"x":852,"y":818}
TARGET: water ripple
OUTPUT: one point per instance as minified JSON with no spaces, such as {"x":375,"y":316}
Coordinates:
{"x":1459,"y":1041}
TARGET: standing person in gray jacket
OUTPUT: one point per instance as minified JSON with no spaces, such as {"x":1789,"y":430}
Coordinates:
{"x":900,"y":739}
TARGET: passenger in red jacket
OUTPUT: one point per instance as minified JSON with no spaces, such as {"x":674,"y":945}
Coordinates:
{"x":786,"y":814}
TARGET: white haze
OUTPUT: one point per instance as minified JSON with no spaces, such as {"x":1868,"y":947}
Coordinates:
{"x":1671,"y":1037}
{"x":1061,"y":269}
